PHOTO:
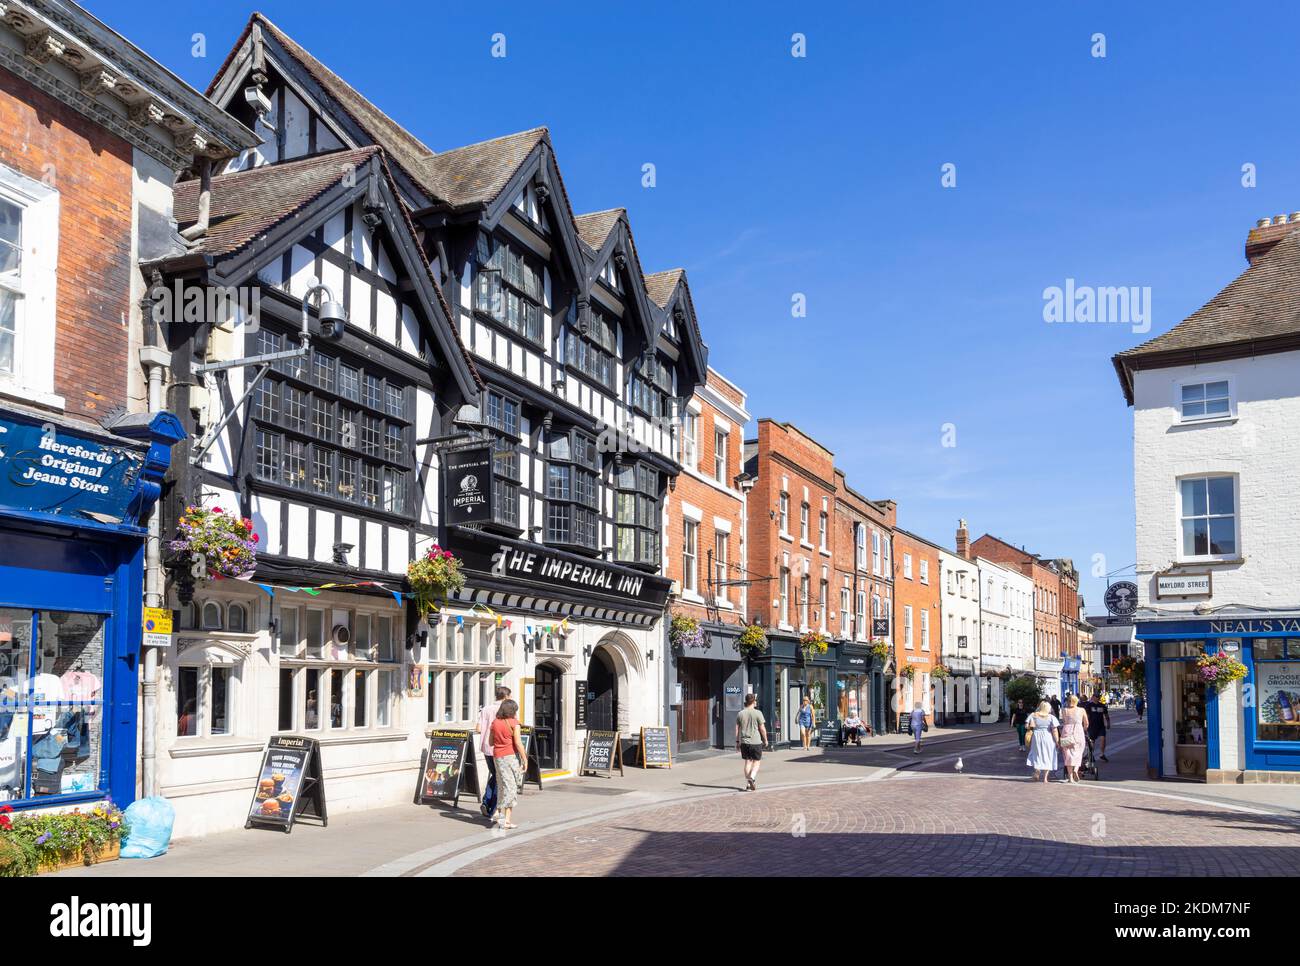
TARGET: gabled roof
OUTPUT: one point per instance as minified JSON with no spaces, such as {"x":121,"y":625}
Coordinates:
{"x":476,"y":174}
{"x":663,"y":289}
{"x":274,"y":205}
{"x":247,"y":204}
{"x":661,"y":285}
{"x":594,"y":227}
{"x":1257,"y":312}
{"x":402,"y":146}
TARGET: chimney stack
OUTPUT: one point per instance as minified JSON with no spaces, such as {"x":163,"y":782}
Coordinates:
{"x":963,"y":540}
{"x":1267,"y":233}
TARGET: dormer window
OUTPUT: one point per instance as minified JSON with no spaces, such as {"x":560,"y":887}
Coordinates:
{"x":508,"y":287}
{"x":651,"y":387}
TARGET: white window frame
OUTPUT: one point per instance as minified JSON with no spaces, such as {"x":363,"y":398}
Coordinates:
{"x":875,"y":552}
{"x":720,"y":440}
{"x":907,"y":626}
{"x":907,"y":566}
{"x":805,"y":515}
{"x":1179,"y":516}
{"x":925,"y":570}
{"x":32,"y":378}
{"x":690,"y":555}
{"x":925,"y":629}
{"x":1205,"y":381}
{"x":690,"y":439}
{"x":805,"y":592}
{"x":721,"y":555}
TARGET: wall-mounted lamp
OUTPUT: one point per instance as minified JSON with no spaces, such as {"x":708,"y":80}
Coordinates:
{"x":273,"y":625}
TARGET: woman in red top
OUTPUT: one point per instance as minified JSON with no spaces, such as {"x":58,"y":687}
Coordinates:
{"x":511,"y":759}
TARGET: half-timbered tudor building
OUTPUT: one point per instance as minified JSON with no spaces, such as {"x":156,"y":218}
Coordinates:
{"x":480,"y":311}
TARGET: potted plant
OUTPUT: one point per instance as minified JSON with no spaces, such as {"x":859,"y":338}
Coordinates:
{"x":752,"y":641}
{"x":50,"y":841}
{"x":814,"y":644}
{"x":685,"y":632}
{"x":210,"y":543}
{"x":1220,"y":671}
{"x":432,"y":577}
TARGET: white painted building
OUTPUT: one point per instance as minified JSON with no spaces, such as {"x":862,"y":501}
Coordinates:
{"x":1007,"y":618}
{"x":1216,"y":437}
{"x":960,"y":633}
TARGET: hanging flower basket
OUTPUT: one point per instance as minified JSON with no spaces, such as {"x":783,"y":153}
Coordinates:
{"x":434,"y":576}
{"x":685,"y":633}
{"x":813,"y":644}
{"x":752,"y":641}
{"x":881,"y":649}
{"x":1132,"y":671}
{"x":210,"y":543}
{"x":940,"y":671}
{"x":56,"y":840}
{"x":1220,"y":671}
{"x":907,"y":671}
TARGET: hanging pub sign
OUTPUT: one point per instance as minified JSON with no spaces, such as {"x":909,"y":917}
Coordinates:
{"x":880,"y":627}
{"x":291,"y":784}
{"x":449,"y":769}
{"x":580,"y":705}
{"x":600,"y":752}
{"x":45,"y":468}
{"x":656,"y":748}
{"x":467,"y":485}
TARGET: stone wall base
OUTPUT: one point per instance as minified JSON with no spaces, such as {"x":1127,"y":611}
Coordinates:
{"x":1231,"y":776}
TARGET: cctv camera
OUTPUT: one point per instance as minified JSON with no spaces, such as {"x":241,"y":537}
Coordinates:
{"x":333,"y":318}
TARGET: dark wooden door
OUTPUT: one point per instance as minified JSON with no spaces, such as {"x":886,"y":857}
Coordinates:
{"x":547,"y":719}
{"x":602,"y":683}
{"x":693,"y":722}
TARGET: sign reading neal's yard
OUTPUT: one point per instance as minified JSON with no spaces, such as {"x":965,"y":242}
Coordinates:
{"x":47,"y":469}
{"x":468,"y":485}
{"x":1121,"y":598}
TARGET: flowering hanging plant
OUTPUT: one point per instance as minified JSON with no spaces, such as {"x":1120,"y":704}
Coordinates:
{"x":686,"y":633}
{"x":1219,"y":671}
{"x":881,"y":649}
{"x":1132,"y":671}
{"x":907,"y":671}
{"x":31,"y":841}
{"x":813,"y":644}
{"x":210,"y":543}
{"x":436,"y":574}
{"x":752,"y":640}
{"x":940,"y":671}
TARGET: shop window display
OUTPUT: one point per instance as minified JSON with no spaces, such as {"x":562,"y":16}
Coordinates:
{"x":51,"y":707}
{"x":1277,"y":689}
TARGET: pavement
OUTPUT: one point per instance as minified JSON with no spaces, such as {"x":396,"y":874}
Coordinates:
{"x":873,"y":810}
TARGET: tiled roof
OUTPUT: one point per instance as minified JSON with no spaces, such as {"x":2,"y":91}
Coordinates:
{"x":1262,"y":302}
{"x":402,"y":146}
{"x":477,"y":173}
{"x":594,"y":227}
{"x":660,"y":285}
{"x":247,"y":204}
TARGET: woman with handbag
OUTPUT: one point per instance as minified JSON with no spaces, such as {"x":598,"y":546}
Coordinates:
{"x":1074,"y":732}
{"x":1043,"y":737}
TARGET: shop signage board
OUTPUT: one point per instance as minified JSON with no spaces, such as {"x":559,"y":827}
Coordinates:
{"x":450,"y":769}
{"x":880,"y":627}
{"x":600,"y":753}
{"x":534,"y":771}
{"x":156,"y":627}
{"x":48,"y":469}
{"x":1183,"y":585}
{"x":656,"y":748}
{"x":732,"y":697}
{"x":290,"y":784}
{"x":580,"y":705}
{"x":828,"y":733}
{"x":1121,"y":598}
{"x":467,"y":485}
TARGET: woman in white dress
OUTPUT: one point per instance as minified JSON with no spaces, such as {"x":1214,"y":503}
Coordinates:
{"x":1043,"y":738}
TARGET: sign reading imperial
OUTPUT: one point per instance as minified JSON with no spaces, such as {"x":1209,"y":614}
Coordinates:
{"x":512,"y":561}
{"x":468,"y":485}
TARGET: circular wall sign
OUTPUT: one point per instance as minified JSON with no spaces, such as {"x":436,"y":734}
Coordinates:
{"x":1122,"y":598}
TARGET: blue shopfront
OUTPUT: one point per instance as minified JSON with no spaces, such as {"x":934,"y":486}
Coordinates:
{"x":1249,"y":731}
{"x":1070,"y":674}
{"x":72,"y":501}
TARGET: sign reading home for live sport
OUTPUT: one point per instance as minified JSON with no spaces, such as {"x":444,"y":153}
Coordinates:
{"x":468,"y":485}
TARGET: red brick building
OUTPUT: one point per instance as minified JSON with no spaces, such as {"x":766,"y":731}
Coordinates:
{"x":863,"y":587}
{"x":917,"y":622}
{"x":791,"y":562}
{"x":704,"y":543}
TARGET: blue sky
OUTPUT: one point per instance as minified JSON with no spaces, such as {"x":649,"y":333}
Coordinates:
{"x":821,"y":175}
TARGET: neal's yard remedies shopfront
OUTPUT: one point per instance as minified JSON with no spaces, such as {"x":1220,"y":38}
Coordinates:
{"x":1248,"y":731}
{"x":72,"y":499}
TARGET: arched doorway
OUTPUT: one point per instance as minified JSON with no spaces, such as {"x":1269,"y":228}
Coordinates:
{"x":548,"y":716}
{"x":602,"y":686}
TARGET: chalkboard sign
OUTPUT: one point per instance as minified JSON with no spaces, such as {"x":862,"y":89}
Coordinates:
{"x":290,"y":784}
{"x":828,"y":733}
{"x":449,"y":769}
{"x":656,"y":748}
{"x":600,"y":752}
{"x":534,"y":771}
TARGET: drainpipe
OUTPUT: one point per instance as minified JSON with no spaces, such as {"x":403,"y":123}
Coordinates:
{"x":197,"y":230}
{"x":155,"y":360}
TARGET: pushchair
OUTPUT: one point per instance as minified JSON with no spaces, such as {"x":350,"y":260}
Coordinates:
{"x":1090,"y":766}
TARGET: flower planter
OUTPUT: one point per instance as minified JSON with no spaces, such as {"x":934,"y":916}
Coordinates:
{"x":109,"y":852}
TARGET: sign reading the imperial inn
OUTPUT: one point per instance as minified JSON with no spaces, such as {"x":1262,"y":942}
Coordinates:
{"x":468,"y":485}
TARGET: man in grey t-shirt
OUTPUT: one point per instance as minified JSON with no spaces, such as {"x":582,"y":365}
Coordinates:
{"x":751,"y":736}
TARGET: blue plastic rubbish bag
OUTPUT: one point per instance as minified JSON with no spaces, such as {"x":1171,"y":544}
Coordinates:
{"x":149,"y":823}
